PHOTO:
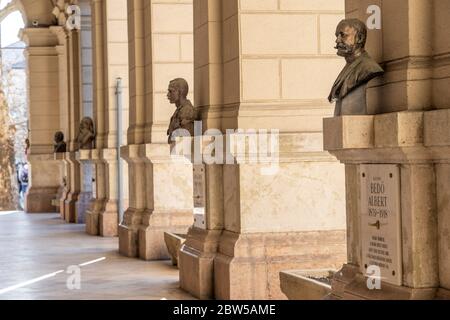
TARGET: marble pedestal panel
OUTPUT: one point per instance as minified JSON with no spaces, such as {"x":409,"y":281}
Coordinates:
{"x":248,"y":265}
{"x":196,"y":262}
{"x":44,"y":185}
{"x":74,"y":189}
{"x":64,"y":187}
{"x":418,"y":144}
{"x":86,"y":181}
{"x":97,"y":203}
{"x":167,"y":187}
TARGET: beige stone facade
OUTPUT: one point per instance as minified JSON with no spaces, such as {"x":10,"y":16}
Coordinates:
{"x":409,"y":130}
{"x":254,"y":67}
{"x":257,"y":79}
{"x":161,"y":191}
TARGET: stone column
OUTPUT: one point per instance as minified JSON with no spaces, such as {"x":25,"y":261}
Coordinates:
{"x":98,"y":202}
{"x":74,"y":99}
{"x":161,"y":196}
{"x":63,"y":65}
{"x":110,"y":45}
{"x":196,"y":259}
{"x":271,"y":72}
{"x":407,"y":140}
{"x":437,"y":122}
{"x":84,"y":157}
{"x":44,"y":113}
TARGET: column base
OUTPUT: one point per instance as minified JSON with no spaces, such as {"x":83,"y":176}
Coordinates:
{"x":108,"y":222}
{"x":39,"y":200}
{"x":70,"y":212}
{"x":247,"y":266}
{"x":196,"y":262}
{"x":151,"y":233}
{"x":443,"y":294}
{"x":350,"y":284}
{"x":62,"y":207}
{"x":82,"y":205}
{"x":92,"y":217}
{"x":128,"y":233}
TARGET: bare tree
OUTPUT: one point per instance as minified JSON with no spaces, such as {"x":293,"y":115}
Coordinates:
{"x":8,"y":177}
{"x":8,"y":180}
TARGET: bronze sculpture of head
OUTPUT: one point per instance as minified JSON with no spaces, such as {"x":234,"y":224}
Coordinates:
{"x":351,"y":36}
{"x":177,"y":91}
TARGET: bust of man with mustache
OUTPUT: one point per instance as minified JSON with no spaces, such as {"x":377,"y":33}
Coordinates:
{"x":349,"y":89}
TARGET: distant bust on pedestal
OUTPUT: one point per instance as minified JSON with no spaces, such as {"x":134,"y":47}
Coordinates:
{"x":185,"y":114}
{"x":60,"y":145}
{"x":86,"y":134}
{"x":349,"y":89}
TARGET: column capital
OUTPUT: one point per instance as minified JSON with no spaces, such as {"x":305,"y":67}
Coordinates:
{"x":61,"y":33}
{"x":38,"y":37}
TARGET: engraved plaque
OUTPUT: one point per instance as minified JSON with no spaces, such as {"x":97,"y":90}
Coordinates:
{"x":199,"y":196}
{"x":380,"y":221}
{"x":199,"y":186}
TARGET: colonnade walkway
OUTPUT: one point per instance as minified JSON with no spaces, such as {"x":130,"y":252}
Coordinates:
{"x":41,"y":257}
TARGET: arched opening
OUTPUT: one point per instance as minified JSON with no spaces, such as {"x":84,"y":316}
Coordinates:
{"x":13,"y":108}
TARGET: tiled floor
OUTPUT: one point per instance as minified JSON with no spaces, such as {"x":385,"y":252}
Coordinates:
{"x":34,"y":246}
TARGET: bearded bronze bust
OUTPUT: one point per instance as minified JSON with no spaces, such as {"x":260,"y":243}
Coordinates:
{"x":349,"y":89}
{"x":86,"y":134}
{"x":60,"y":145}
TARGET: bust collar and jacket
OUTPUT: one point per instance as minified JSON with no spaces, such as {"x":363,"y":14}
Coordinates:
{"x":360,"y":71}
{"x":183,"y":118}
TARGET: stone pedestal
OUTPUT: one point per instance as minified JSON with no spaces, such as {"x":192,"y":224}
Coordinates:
{"x":103,"y":215}
{"x":43,"y":186}
{"x":97,"y":203}
{"x":64,"y":189}
{"x":128,"y":228}
{"x":248,"y":265}
{"x":74,"y":182}
{"x":168,"y":201}
{"x":109,"y":217}
{"x":417,"y":143}
{"x":196,"y":262}
{"x":108,"y":222}
{"x":86,"y":175}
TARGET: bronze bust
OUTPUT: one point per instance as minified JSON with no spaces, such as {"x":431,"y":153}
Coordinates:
{"x":185,"y":114}
{"x":349,"y":89}
{"x":60,"y":145}
{"x":86,"y":134}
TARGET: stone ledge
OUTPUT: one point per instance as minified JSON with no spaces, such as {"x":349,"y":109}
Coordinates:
{"x":131,"y":153}
{"x":391,"y":130}
{"x":58,"y":156}
{"x":71,"y":157}
{"x":437,"y":128}
{"x":301,"y":285}
{"x":286,"y":148}
{"x":162,"y":153}
{"x":108,"y":154}
{"x":42,"y":157}
{"x":83,"y":155}
{"x":349,"y":284}
{"x":348,"y":132}
{"x":399,"y":129}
